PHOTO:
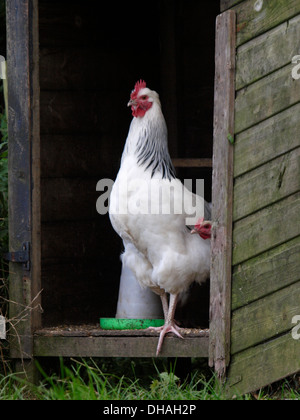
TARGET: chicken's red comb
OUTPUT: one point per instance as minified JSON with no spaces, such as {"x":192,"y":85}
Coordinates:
{"x":141,"y":84}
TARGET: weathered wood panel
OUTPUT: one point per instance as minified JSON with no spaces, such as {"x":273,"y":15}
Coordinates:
{"x":264,"y":364}
{"x":79,"y":156}
{"x":67,"y":240}
{"x":94,"y":330}
{"x":80,"y":294}
{"x":267,"y":140}
{"x":222,"y":188}
{"x":69,"y":199}
{"x":129,"y":346}
{"x":73,"y":68}
{"x":35,"y":167}
{"x":226,"y":4}
{"x":192,"y":163}
{"x":257,"y":16}
{"x":266,"y":242}
{"x":264,"y":318}
{"x":65,"y":24}
{"x":265,"y":274}
{"x":76,"y":112}
{"x":267,"y":53}
{"x":266,"y":229}
{"x":265,"y":98}
{"x":23,"y":205}
{"x":267,"y":184}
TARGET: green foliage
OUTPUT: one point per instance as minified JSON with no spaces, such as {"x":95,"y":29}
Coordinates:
{"x":86,"y":380}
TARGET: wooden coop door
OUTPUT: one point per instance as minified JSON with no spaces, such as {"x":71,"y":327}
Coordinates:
{"x":265,"y":292}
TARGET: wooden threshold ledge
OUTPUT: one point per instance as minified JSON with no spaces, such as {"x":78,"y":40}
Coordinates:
{"x":83,"y":341}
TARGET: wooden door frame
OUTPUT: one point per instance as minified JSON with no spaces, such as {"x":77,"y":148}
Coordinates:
{"x":24,"y":182}
{"x":222,"y":193}
{"x":24,"y":172}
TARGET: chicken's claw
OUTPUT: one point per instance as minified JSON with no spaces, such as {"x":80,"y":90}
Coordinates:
{"x":165,"y":330}
{"x":155,"y":329}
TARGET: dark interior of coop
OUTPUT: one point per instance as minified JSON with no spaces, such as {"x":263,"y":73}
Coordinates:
{"x":90,"y":59}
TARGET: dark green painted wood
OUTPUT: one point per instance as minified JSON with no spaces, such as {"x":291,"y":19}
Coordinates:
{"x":264,"y":364}
{"x":227,"y":4}
{"x":267,"y":184}
{"x":266,"y":241}
{"x":267,"y":140}
{"x":265,"y":274}
{"x":267,"y":53}
{"x":266,"y":229}
{"x":267,"y":97}
{"x":255,"y":17}
{"x":265,"y":318}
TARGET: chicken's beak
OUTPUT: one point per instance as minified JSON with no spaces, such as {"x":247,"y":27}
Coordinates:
{"x":193,"y":232}
{"x":132,"y":102}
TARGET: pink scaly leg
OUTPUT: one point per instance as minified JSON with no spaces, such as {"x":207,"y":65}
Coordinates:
{"x":165,"y":305}
{"x":170,"y":325}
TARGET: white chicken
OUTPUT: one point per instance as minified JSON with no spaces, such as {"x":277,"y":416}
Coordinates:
{"x":150,"y":210}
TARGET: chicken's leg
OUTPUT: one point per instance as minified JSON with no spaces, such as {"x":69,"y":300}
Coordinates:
{"x":170,"y":325}
{"x":165,"y":305}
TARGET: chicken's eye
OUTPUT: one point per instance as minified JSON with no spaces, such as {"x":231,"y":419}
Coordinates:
{"x":144,"y":97}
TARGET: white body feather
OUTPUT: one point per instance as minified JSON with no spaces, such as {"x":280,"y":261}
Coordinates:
{"x":159,"y":248}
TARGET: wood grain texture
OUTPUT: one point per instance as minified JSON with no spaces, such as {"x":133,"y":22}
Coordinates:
{"x":265,"y":274}
{"x":221,"y":243}
{"x":267,"y":97}
{"x":267,"y":53}
{"x":70,"y":156}
{"x":267,"y":184}
{"x":227,"y":4}
{"x":69,"y":199}
{"x":267,"y":140}
{"x":265,"y":318}
{"x":266,"y":229}
{"x":73,"y":67}
{"x":192,"y":163}
{"x":23,"y":107}
{"x":66,"y":240}
{"x":255,"y":17}
{"x":118,"y":344}
{"x":35,"y":168}
{"x":264,"y":364}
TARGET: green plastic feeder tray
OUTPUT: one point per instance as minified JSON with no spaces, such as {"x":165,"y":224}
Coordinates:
{"x":129,"y":324}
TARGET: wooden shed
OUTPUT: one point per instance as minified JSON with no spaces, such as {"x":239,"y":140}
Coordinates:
{"x":224,"y":74}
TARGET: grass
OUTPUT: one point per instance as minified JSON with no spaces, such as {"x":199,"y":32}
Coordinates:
{"x":86,"y":380}
{"x":90,"y":380}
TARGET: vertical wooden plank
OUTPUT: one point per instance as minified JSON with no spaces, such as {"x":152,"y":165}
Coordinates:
{"x":36,"y":167}
{"x":23,"y":130}
{"x":222,"y":193}
{"x":18,"y":169}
